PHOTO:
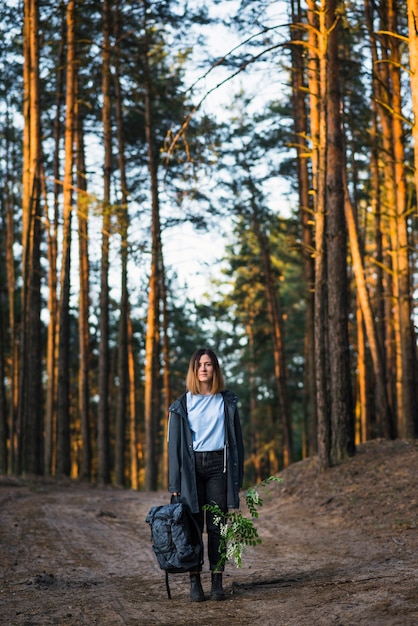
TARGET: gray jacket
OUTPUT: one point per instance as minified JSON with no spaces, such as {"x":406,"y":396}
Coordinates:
{"x":181,"y":475}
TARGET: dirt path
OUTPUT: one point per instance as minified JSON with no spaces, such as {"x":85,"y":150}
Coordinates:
{"x":340,"y":549}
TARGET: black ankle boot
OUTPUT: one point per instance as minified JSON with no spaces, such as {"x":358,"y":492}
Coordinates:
{"x":196,"y":591}
{"x":217,"y":592}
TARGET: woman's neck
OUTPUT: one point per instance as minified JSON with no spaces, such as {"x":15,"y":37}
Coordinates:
{"x":204,"y":389}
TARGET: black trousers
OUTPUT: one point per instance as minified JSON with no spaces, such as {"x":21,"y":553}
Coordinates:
{"x":211,"y":488}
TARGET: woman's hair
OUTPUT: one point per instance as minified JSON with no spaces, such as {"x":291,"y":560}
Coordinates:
{"x":192,"y":381}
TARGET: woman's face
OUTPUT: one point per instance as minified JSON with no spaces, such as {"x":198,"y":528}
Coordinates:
{"x":205,"y":369}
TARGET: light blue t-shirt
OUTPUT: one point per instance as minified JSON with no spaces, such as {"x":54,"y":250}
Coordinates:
{"x":206,"y":421}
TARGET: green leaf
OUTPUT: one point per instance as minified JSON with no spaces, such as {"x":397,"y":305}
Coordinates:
{"x":238,"y":531}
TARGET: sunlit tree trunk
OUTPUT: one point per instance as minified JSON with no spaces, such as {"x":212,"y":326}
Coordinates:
{"x":384,"y":419}
{"x":334,"y":398}
{"x":342,"y":418}
{"x":394,"y":207}
{"x":85,"y":469}
{"x":52,"y":225}
{"x":123,"y":403}
{"x":408,"y":417}
{"x":317,"y":120}
{"x":29,"y":431}
{"x":103,"y":443}
{"x":362,"y":416}
{"x":152,"y":334}
{"x":9,"y":240}
{"x":63,"y":460}
{"x":310,"y":436}
{"x":132,"y":410}
{"x":254,"y":451}
{"x":3,"y":403}
{"x":274,"y":311}
{"x":152,"y":398}
{"x":382,"y":199}
{"x":166,"y":371}
{"x":383,"y":410}
{"x":317,"y":76}
{"x":413,"y":62}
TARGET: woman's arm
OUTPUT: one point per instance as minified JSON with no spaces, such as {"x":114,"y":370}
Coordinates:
{"x":174,"y":451}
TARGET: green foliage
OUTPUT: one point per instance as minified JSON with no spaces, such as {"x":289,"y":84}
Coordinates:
{"x":237,"y":530}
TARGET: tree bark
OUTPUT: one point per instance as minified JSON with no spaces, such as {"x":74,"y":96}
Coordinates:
{"x":274,"y":311}
{"x":52,"y":226}
{"x":29,"y":430}
{"x":413,"y":59}
{"x":9,"y":240}
{"x":413,"y":63}
{"x":85,"y":469}
{"x":103,"y":443}
{"x":166,"y":371}
{"x":383,"y":410}
{"x":310,"y":431}
{"x":408,"y":419}
{"x":152,"y":340}
{"x":63,"y":460}
{"x":132,"y":410}
{"x":318,"y":113}
{"x":3,"y":403}
{"x":342,"y":418}
{"x":123,"y":347}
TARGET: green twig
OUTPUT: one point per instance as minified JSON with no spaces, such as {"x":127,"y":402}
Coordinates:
{"x":237,"y":530}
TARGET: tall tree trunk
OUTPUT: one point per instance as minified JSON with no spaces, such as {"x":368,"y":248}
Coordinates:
{"x":382,"y":197}
{"x":274,"y":311}
{"x":103,"y":443}
{"x":342,"y":418}
{"x":132,"y":410}
{"x":9,"y":240}
{"x":84,"y":303}
{"x":152,"y":405}
{"x":152,"y":409}
{"x":305,"y":209}
{"x":63,"y":460}
{"x":413,"y":59}
{"x":52,"y":226}
{"x":166,"y":372}
{"x":29,"y":457}
{"x":413,"y":63}
{"x":362,"y":413}
{"x":383,"y":410}
{"x":254,"y":425}
{"x":403,"y":347}
{"x":384,"y":419}
{"x":318,"y":118}
{"x":408,"y":419}
{"x":123,"y":400}
{"x":3,"y":403}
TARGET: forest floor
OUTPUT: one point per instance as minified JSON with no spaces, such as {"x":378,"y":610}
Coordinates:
{"x":337,"y":548}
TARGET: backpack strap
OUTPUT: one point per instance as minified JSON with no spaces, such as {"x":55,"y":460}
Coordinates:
{"x":167,"y":585}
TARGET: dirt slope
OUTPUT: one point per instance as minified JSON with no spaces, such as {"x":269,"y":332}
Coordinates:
{"x":340,"y":548}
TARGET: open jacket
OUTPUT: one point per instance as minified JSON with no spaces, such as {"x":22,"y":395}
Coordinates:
{"x":182,"y":475}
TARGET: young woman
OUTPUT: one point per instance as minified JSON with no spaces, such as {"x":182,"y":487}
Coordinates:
{"x":206,"y":455}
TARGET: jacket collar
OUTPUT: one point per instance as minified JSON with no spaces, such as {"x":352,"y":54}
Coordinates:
{"x":180,"y":405}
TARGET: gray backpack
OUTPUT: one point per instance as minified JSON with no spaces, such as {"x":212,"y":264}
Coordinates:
{"x":176,"y":539}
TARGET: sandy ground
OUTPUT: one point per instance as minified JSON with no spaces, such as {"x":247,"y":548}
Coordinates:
{"x":338,"y":548}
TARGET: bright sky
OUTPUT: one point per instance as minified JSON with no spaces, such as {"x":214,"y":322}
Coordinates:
{"x":194,"y":256}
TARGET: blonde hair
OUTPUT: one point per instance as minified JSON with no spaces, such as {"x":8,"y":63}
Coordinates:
{"x":192,"y":381}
